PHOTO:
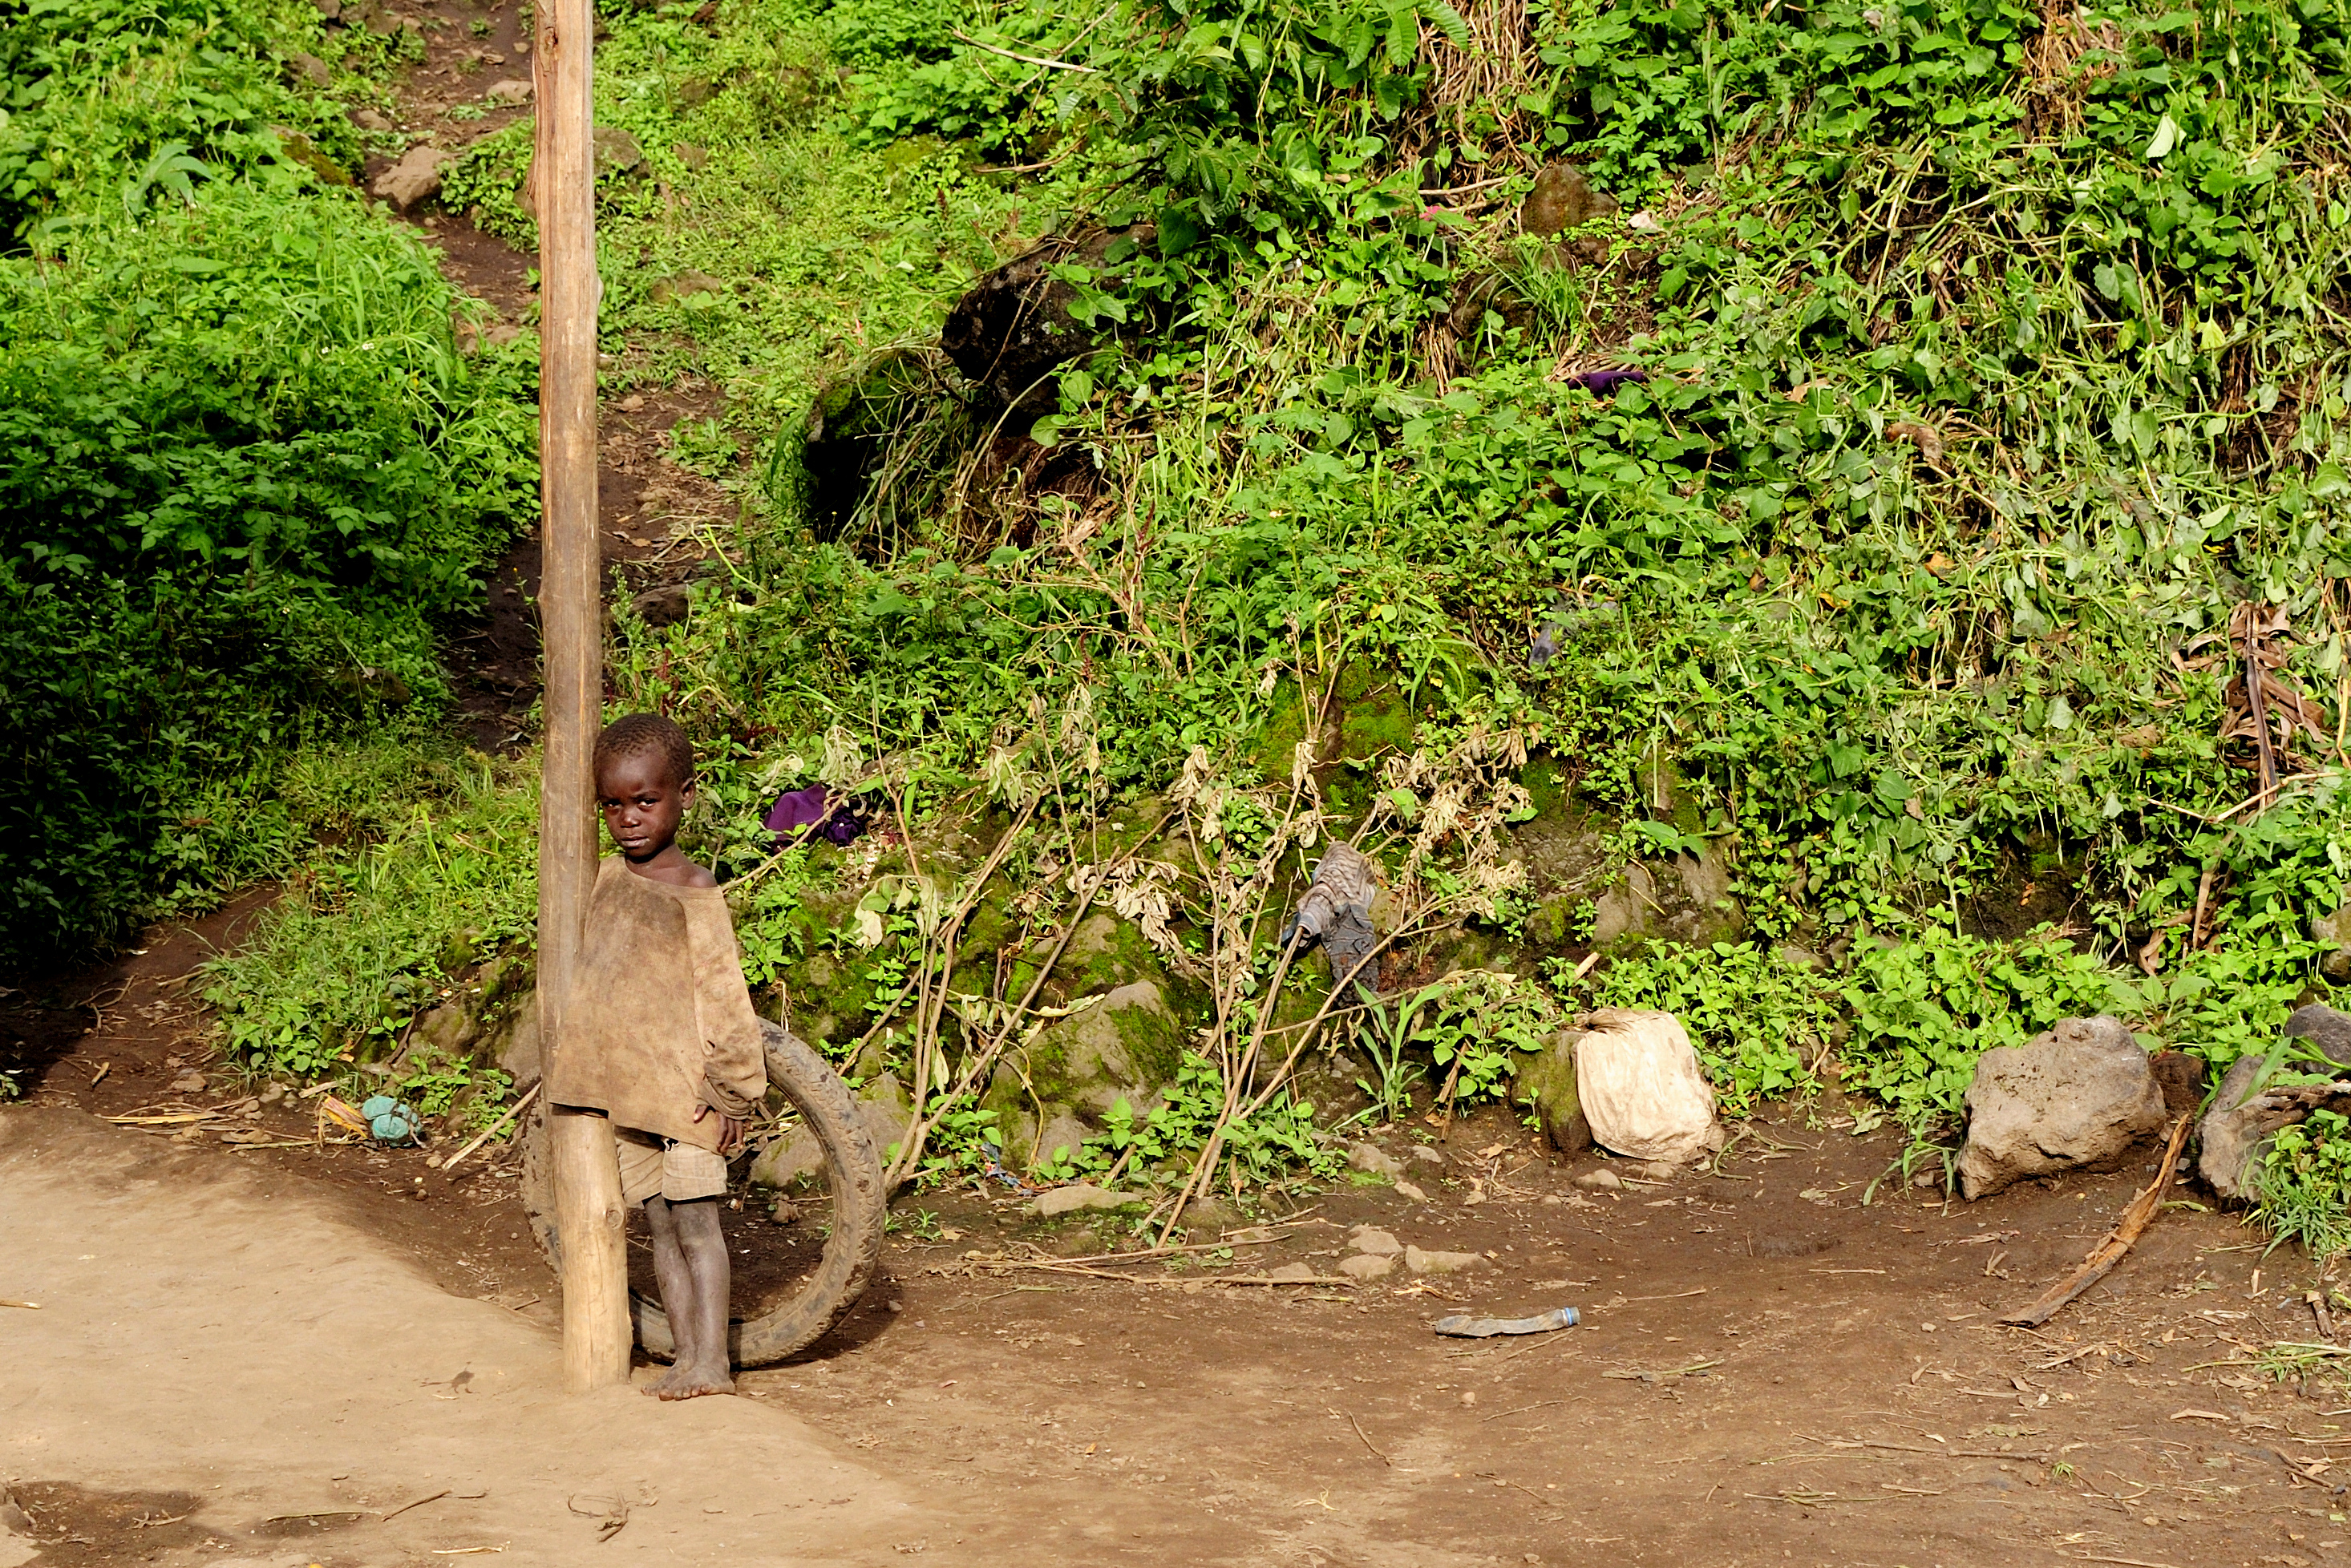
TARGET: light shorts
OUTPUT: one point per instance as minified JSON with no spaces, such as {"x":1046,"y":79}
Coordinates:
{"x":654,"y":1167}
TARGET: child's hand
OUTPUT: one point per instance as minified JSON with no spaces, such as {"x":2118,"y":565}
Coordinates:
{"x":730,"y":1128}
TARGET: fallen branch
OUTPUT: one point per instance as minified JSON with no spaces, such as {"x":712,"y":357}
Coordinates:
{"x":512,"y":1111}
{"x":2109,"y":1252}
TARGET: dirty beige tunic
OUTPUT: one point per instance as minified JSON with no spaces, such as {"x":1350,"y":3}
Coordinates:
{"x":662,"y":1021}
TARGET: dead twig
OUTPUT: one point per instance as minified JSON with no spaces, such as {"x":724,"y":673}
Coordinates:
{"x":1366,"y":1441}
{"x":2109,"y":1252}
{"x":420,"y":1502}
{"x":512,"y":1111}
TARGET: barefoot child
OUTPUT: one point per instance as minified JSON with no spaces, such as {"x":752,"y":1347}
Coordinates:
{"x":664,"y":1041}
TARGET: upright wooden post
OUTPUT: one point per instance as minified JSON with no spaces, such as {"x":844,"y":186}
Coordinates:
{"x":586,"y":1175}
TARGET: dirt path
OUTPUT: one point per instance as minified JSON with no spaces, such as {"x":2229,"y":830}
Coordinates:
{"x":1768,"y":1373}
{"x":214,"y":1346}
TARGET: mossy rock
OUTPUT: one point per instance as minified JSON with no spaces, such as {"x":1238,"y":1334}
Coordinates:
{"x":1548,"y":1078}
{"x":1127,"y":1046}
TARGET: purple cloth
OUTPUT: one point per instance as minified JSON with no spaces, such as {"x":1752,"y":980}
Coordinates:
{"x":1603,"y":383}
{"x":803,"y":811}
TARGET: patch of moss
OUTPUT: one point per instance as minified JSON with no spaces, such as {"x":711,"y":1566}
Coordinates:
{"x":1375,"y":718}
{"x":1153,"y":1042}
{"x":1277,"y":737}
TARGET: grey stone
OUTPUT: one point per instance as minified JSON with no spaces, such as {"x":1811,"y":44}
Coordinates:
{"x":617,"y":151}
{"x":1062,"y":1133}
{"x":1548,"y":1078}
{"x":669,"y":290}
{"x":2325,"y":1029}
{"x":1374,"y":1161}
{"x":415,"y":178}
{"x":1599,"y":1179}
{"x":1424,"y":1155}
{"x":1407,"y":1190}
{"x":2231,"y":1141}
{"x":2230,"y":1137}
{"x":310,"y":68}
{"x":1062,"y":1200}
{"x":2076,"y":1098}
{"x":1379,"y":1243}
{"x":665,"y":606}
{"x":1124,"y":1047}
{"x":1293,"y":1273}
{"x":2334,"y":930}
{"x":512,"y":90}
{"x":368,"y":120}
{"x":519,"y":1058}
{"x":1366,"y":1266}
{"x":1419,"y":1262}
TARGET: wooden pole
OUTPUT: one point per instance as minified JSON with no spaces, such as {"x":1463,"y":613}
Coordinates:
{"x":588,"y":1212}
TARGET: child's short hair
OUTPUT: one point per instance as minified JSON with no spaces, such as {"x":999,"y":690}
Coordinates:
{"x":639,"y":734}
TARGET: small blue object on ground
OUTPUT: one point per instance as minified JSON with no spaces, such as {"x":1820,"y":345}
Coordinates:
{"x":389,"y":1119}
{"x":1487,"y":1327}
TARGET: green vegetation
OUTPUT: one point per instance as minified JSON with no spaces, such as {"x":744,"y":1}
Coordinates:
{"x":243,"y":472}
{"x":1995,"y":380}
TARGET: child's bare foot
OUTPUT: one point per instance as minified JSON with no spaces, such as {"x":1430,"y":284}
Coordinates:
{"x":685,"y":1382}
{"x":660,"y":1387}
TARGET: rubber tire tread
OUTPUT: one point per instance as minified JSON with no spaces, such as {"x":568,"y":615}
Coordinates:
{"x":853,"y":1169}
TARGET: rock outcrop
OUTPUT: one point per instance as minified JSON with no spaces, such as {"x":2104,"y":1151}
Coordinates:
{"x":2237,"y":1125}
{"x":2078,"y":1097}
{"x":1012,"y":329}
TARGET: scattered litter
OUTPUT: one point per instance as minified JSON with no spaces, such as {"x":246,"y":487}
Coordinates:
{"x":1337,"y":912}
{"x":2195,"y":1414}
{"x":1642,"y":1088}
{"x":389,"y":1120}
{"x":420,"y":1502}
{"x":1463,"y":1328}
{"x":610,"y":1514}
{"x":812,"y":812}
{"x":29,"y":1306}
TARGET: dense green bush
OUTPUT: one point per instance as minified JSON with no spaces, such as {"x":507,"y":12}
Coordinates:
{"x":243,"y":468}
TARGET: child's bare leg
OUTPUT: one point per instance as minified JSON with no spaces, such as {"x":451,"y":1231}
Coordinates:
{"x":676,"y":1281}
{"x":697,"y":1314}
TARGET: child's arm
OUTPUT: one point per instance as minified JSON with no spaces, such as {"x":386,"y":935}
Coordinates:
{"x":734,"y":1063}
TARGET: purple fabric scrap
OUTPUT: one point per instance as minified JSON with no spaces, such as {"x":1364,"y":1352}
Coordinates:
{"x":1603,"y":383}
{"x":809,"y":811}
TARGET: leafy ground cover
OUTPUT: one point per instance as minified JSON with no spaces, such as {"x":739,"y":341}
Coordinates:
{"x":1991,"y":419}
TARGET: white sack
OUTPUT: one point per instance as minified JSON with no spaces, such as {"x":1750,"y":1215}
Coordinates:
{"x":1643,"y":1090}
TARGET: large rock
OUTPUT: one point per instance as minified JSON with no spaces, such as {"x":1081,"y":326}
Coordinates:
{"x":2076,"y":1098}
{"x":1012,"y":329}
{"x":1547,"y":1077}
{"x":2234,"y":1132}
{"x":1125,"y":1047}
{"x":415,"y":178}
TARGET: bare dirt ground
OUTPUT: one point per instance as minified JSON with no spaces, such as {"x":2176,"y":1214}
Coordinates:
{"x":1767,"y":1372}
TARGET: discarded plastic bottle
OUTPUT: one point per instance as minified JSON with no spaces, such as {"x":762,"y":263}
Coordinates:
{"x":1487,"y":1327}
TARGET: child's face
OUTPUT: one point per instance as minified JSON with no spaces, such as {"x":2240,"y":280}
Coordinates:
{"x":642,"y":804}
